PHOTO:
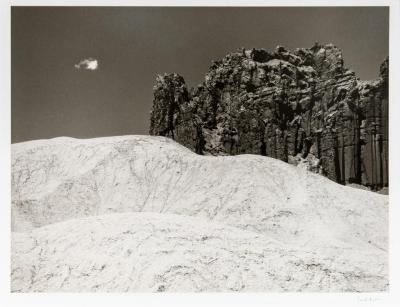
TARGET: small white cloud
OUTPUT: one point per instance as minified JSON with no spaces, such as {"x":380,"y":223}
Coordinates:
{"x":89,"y":64}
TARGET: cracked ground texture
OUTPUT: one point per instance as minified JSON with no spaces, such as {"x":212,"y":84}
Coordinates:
{"x":144,"y":214}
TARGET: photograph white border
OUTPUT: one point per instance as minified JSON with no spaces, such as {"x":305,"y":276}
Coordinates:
{"x":201,"y":299}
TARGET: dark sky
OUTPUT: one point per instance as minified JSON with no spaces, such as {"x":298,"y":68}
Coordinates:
{"x":50,"y":97}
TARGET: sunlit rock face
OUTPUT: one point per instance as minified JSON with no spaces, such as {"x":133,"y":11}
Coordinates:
{"x":289,"y":105}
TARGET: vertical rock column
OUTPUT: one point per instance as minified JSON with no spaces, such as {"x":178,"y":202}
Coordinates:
{"x":375,"y":126}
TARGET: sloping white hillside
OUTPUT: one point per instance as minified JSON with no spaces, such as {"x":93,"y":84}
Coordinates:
{"x":167,"y":252}
{"x":331,"y":228}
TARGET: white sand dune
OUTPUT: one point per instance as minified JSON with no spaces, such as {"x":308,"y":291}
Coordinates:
{"x":274,"y":227}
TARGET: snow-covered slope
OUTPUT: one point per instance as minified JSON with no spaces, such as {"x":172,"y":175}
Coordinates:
{"x":249,"y":202}
{"x":167,"y":252}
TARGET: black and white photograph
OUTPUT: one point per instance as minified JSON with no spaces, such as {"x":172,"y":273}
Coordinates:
{"x":200,"y":149}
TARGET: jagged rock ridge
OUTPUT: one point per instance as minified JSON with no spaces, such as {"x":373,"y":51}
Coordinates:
{"x":300,"y":106}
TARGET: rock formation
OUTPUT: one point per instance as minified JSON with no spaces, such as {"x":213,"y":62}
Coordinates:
{"x":295,"y":106}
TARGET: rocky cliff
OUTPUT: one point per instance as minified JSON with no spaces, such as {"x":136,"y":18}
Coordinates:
{"x":296,"y":106}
